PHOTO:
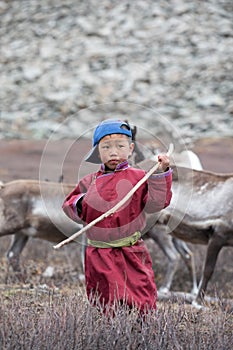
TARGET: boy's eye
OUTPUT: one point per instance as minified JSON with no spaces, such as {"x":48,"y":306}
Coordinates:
{"x":121,"y":144}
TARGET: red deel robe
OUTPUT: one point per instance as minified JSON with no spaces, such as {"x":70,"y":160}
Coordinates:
{"x":124,"y":274}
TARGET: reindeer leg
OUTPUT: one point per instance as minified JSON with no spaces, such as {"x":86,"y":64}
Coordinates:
{"x":164,"y":241}
{"x":13,"y":254}
{"x":188,"y":258}
{"x":213,"y":249}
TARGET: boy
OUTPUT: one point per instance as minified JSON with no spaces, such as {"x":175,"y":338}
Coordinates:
{"x":118,"y":267}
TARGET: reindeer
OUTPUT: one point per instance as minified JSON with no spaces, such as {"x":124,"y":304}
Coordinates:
{"x":31,"y":208}
{"x":205,"y":216}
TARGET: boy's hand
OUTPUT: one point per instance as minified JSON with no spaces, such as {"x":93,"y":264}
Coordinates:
{"x":163,"y":160}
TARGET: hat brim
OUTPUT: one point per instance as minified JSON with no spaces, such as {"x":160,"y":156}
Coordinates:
{"x":93,"y":156}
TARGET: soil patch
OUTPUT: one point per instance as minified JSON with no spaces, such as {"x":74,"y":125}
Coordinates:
{"x":34,"y":159}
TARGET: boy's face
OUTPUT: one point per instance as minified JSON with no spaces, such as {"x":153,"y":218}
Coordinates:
{"x":115,"y":149}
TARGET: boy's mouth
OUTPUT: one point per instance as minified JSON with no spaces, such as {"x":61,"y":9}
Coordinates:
{"x":113,"y":161}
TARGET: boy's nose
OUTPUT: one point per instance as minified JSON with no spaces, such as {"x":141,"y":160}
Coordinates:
{"x":113,"y":150}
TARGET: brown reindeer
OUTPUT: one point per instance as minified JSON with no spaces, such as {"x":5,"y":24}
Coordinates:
{"x":30,"y":208}
{"x":201,"y":212}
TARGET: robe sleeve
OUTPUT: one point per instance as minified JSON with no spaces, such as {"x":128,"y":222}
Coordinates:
{"x":71,"y":201}
{"x":159,"y":192}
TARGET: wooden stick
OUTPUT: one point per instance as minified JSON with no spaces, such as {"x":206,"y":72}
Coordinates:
{"x":116,"y":207}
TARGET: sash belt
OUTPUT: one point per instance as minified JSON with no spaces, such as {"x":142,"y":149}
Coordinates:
{"x":122,"y":242}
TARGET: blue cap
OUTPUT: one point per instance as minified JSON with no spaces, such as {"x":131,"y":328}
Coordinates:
{"x":107,"y":127}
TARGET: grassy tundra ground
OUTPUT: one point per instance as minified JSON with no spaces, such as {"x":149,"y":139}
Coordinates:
{"x":53,"y":313}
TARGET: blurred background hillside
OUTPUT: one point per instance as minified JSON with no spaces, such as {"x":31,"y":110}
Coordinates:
{"x":67,"y":64}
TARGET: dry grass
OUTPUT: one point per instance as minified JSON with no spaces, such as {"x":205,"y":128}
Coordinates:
{"x":44,"y":319}
{"x":53,"y":313}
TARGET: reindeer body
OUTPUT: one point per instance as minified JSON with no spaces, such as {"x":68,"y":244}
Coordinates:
{"x":31,"y":208}
{"x":207,"y":218}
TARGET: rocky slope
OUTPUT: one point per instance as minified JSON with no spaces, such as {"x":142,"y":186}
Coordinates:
{"x":165,"y":65}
